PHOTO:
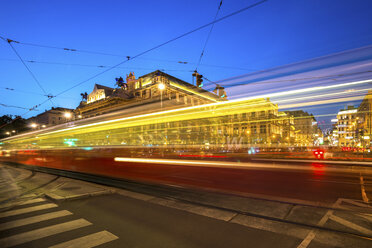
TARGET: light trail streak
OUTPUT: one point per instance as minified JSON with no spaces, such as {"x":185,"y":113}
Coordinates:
{"x":312,"y":89}
{"x":242,"y":165}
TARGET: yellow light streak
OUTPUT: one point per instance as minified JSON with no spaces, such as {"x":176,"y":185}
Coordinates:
{"x":192,"y":91}
{"x":243,"y":165}
{"x":247,"y":104}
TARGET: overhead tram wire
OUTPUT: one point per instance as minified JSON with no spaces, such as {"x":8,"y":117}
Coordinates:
{"x":163,"y":44}
{"x":153,"y":48}
{"x":209,"y":35}
{"x":118,"y":55}
{"x":31,"y":93}
{"x":136,"y":68}
{"x":28,"y":69}
{"x":13,"y":106}
{"x":87,"y":65}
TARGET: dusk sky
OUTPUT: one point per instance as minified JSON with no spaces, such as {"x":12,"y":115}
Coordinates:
{"x":275,"y":33}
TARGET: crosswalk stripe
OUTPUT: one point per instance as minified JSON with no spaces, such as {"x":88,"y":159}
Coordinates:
{"x":27,"y":210}
{"x":351,"y":225}
{"x":88,"y":241}
{"x":363,"y":205}
{"x":36,"y":200}
{"x":31,"y":201}
{"x":9,"y":189}
{"x":34,"y":219}
{"x":42,"y":233}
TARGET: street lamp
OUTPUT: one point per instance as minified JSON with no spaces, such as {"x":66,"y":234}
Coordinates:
{"x":67,"y":115}
{"x":33,"y":125}
{"x":13,"y":131}
{"x":7,"y":133}
{"x":161,"y":87}
{"x":43,"y":126}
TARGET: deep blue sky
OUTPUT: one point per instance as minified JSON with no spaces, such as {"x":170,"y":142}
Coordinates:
{"x":275,"y":33}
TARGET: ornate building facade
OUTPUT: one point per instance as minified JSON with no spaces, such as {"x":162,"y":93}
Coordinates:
{"x":157,"y":86}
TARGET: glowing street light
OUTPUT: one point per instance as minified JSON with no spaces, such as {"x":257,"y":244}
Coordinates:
{"x":7,"y":133}
{"x":43,"y":126}
{"x":13,"y":131}
{"x":68,"y":115}
{"x":161,"y":87}
{"x":33,"y":125}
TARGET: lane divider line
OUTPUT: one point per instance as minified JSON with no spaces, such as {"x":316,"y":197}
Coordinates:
{"x":363,"y":190}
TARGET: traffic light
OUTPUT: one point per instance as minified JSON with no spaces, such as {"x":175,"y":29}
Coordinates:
{"x":220,"y":91}
{"x":199,"y":80}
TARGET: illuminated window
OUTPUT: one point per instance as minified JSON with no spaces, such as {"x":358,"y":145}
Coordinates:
{"x":254,"y":129}
{"x":137,"y":85}
{"x":262,"y":128}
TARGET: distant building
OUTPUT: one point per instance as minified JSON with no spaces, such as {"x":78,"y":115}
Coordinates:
{"x":306,"y":128}
{"x":289,"y":130}
{"x":364,"y":121}
{"x":51,"y":117}
{"x":347,"y":126}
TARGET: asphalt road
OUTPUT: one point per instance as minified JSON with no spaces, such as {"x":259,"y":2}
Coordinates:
{"x":117,"y":219}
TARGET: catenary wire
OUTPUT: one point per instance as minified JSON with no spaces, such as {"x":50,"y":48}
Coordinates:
{"x":29,"y":70}
{"x":209,"y":35}
{"x":151,"y":49}
{"x":165,"y":43}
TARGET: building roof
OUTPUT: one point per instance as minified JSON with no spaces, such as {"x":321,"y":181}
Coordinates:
{"x":182,"y":85}
{"x":298,"y":113}
{"x":108,"y":90}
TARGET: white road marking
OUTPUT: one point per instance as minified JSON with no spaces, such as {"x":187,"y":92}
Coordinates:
{"x":36,"y":200}
{"x":362,"y":188}
{"x":323,"y":220}
{"x":42,"y":233}
{"x":351,"y":225}
{"x":34,"y":219}
{"x":88,"y":241}
{"x":366,"y":216}
{"x":21,"y":203}
{"x":307,"y":240}
{"x":27,"y":210}
{"x":9,"y":189}
{"x":359,"y":204}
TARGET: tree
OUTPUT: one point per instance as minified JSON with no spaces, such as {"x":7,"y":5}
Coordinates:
{"x":10,"y":125}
